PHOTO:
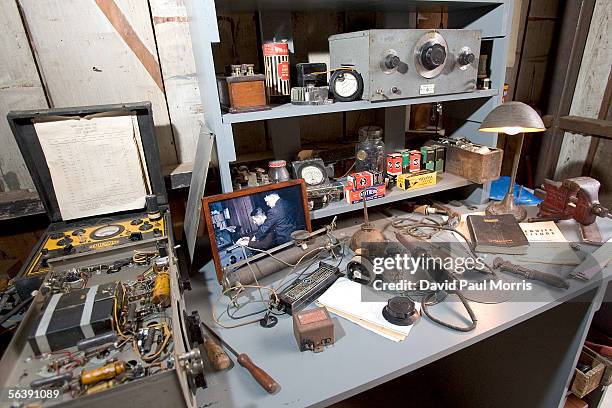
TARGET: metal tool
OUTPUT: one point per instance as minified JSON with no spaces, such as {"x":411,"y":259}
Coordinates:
{"x":576,"y":198}
{"x":263,"y":378}
{"x":528,"y":273}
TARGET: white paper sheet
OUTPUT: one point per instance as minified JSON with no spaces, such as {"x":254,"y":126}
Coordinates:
{"x":95,"y":164}
{"x":547,"y":244}
{"x":344,"y":296}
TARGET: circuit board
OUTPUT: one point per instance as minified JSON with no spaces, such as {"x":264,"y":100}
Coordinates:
{"x":98,"y":235}
{"x":104,"y":320}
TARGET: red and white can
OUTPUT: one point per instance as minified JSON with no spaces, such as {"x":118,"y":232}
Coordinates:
{"x":276,"y":67}
{"x":415,"y":161}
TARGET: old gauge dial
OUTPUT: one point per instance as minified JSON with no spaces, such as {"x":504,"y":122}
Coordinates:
{"x":313,"y":175}
{"x":107,"y":231}
{"x":346,"y":85}
{"x":312,"y":171}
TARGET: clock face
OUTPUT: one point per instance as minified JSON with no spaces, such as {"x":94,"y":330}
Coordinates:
{"x":313,"y":175}
{"x":346,"y":85}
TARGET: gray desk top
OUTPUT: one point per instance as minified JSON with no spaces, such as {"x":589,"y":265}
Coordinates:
{"x":360,"y":359}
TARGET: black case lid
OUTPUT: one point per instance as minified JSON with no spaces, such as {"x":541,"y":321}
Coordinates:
{"x":22,"y":125}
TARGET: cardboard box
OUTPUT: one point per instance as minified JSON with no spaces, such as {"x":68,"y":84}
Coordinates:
{"x":413,"y":181}
{"x":364,"y":179}
{"x":428,"y":157}
{"x":415,"y":161}
{"x":440,"y":158}
{"x":370,"y":193}
{"x":394,"y":164}
{"x":405,"y":159}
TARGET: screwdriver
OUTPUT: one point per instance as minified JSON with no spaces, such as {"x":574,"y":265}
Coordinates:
{"x":263,"y":378}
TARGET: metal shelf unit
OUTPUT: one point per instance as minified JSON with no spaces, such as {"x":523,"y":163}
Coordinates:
{"x":288,"y":110}
{"x":491,"y":17}
{"x":446,"y":181}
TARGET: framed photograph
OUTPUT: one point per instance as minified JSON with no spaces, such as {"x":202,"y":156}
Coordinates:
{"x":243,"y":223}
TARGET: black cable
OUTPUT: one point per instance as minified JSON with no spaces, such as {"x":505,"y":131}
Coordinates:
{"x":467,"y":306}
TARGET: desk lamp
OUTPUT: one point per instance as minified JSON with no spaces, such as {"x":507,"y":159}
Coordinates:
{"x":514,"y":119}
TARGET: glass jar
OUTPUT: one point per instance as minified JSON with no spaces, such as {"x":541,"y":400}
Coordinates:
{"x":277,"y":170}
{"x":370,"y":150}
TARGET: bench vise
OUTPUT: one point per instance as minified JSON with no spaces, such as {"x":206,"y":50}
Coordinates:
{"x":573,"y":198}
{"x":576,"y":198}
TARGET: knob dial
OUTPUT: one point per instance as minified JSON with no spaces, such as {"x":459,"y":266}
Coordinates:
{"x":392,"y":61}
{"x":466,"y":58}
{"x":433,"y":56}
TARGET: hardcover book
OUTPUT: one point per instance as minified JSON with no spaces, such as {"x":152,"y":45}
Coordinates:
{"x":500,"y":234}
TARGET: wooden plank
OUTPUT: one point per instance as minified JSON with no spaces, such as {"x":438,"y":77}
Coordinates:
{"x":574,"y":30}
{"x":586,"y":126}
{"x":19,"y":203}
{"x":101,"y":52}
{"x":20,"y":88}
{"x":590,"y":88}
{"x":179,"y":74}
{"x":605,"y":113}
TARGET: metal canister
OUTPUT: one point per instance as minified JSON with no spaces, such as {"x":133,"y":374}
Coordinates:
{"x":276,"y":66}
{"x":103,"y":386}
{"x":106,"y":372}
{"x":277,"y":170}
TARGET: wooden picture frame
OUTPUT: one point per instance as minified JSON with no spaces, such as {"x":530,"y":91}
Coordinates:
{"x":206,"y":201}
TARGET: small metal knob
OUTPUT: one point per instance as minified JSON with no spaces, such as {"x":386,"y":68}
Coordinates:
{"x":466,"y":58}
{"x":392,"y":61}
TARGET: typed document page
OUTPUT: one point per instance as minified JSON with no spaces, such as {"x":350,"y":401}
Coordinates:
{"x":96,"y":164}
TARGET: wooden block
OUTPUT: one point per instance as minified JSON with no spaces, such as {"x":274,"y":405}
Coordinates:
{"x":247,"y":94}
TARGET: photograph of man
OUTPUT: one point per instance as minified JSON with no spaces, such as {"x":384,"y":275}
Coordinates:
{"x":258,"y":216}
{"x":280,"y":222}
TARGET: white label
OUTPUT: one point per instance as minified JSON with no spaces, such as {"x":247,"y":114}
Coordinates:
{"x":427,"y":89}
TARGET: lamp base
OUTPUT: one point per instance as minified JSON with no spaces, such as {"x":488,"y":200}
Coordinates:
{"x":507,"y":206}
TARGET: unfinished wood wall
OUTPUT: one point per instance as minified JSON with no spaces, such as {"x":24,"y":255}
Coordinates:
{"x":590,"y":87}
{"x":20,"y":88}
{"x":90,"y":52}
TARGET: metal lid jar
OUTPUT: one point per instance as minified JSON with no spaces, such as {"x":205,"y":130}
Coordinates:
{"x":277,"y":170}
{"x":370,"y":150}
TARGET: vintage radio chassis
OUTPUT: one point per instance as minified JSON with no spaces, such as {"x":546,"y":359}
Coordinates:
{"x":177,"y":383}
{"x":389,"y":61}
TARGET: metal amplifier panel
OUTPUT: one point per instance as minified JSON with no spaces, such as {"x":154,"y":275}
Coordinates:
{"x":408,"y":63}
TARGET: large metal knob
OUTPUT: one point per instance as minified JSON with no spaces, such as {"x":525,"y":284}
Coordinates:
{"x":433,"y":56}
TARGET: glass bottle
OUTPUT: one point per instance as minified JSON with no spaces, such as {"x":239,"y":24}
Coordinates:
{"x":370,"y":150}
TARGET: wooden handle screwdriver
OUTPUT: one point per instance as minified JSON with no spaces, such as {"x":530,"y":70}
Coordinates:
{"x":264,"y":379}
{"x":216,"y":355}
